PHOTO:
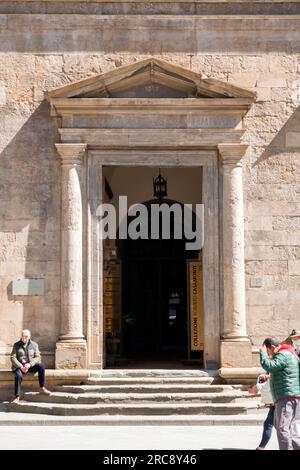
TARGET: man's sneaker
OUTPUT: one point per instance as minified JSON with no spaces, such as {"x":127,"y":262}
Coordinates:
{"x":16,"y":400}
{"x":260,"y":448}
{"x":44,"y":391}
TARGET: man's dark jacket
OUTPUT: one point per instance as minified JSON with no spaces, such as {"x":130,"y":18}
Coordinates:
{"x":18,"y":354}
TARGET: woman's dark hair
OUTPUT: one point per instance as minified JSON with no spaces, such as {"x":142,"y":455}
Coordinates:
{"x":268,"y":342}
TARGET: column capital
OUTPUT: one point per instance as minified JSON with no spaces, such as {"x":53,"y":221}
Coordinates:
{"x":71,"y":153}
{"x":232,"y":153}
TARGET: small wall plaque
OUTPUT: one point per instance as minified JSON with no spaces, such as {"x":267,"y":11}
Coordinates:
{"x":33,"y":286}
{"x":255,"y":282}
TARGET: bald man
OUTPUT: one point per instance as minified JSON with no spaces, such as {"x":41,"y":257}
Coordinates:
{"x":25,"y":357}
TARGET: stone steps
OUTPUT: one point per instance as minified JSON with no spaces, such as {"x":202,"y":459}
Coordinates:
{"x":147,"y":380}
{"x":21,"y":419}
{"x":144,"y":398}
{"x":138,"y":397}
{"x":166,"y":409}
{"x":164,"y":374}
{"x":146,"y":388}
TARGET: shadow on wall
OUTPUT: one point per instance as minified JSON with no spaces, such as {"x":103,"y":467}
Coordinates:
{"x":286,"y":143}
{"x":30,"y":231}
{"x":273,"y":248}
{"x":279,"y":165}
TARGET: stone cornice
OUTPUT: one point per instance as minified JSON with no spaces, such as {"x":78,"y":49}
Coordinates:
{"x":162,"y":7}
{"x":154,"y":138}
{"x":63,"y":106}
{"x":67,"y":21}
{"x":68,"y":33}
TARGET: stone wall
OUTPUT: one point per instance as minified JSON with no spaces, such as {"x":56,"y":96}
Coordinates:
{"x":155,"y":7}
{"x":40,"y":51}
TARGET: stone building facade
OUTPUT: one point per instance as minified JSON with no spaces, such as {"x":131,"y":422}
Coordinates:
{"x":89,"y":88}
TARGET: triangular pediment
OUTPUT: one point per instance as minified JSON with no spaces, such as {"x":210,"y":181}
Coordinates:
{"x":150,"y":78}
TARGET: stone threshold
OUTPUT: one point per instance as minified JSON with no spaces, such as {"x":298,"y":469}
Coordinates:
{"x":84,"y":374}
{"x":230,"y":373}
{"x":23,"y":419}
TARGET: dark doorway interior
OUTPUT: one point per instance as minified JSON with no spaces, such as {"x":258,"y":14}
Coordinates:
{"x":154,"y":299}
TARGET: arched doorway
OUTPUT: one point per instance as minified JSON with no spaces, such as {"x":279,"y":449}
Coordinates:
{"x":155,"y":323}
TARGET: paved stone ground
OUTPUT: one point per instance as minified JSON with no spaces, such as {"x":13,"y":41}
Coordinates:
{"x":132,"y":437}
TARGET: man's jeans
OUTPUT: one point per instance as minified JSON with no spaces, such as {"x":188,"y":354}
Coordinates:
{"x":39,"y":368}
{"x":268,"y":426}
{"x":286,"y":422}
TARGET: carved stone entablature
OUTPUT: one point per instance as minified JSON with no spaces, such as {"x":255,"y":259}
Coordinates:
{"x":150,"y":101}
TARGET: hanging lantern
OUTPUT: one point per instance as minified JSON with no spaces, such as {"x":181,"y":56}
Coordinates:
{"x":160,"y":187}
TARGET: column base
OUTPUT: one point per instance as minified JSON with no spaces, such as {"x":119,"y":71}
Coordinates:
{"x":71,"y":355}
{"x":236,"y":353}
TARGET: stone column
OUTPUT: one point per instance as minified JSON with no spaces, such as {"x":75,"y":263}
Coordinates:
{"x":71,"y":349}
{"x":236,"y":348}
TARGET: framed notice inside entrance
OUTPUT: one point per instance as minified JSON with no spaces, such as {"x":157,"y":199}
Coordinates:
{"x":112,"y":308}
{"x":195,"y":306}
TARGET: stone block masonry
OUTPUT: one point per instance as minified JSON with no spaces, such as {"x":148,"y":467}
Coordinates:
{"x":44,"y":45}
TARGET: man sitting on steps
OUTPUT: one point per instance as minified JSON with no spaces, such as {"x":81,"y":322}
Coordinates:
{"x":25,"y":357}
